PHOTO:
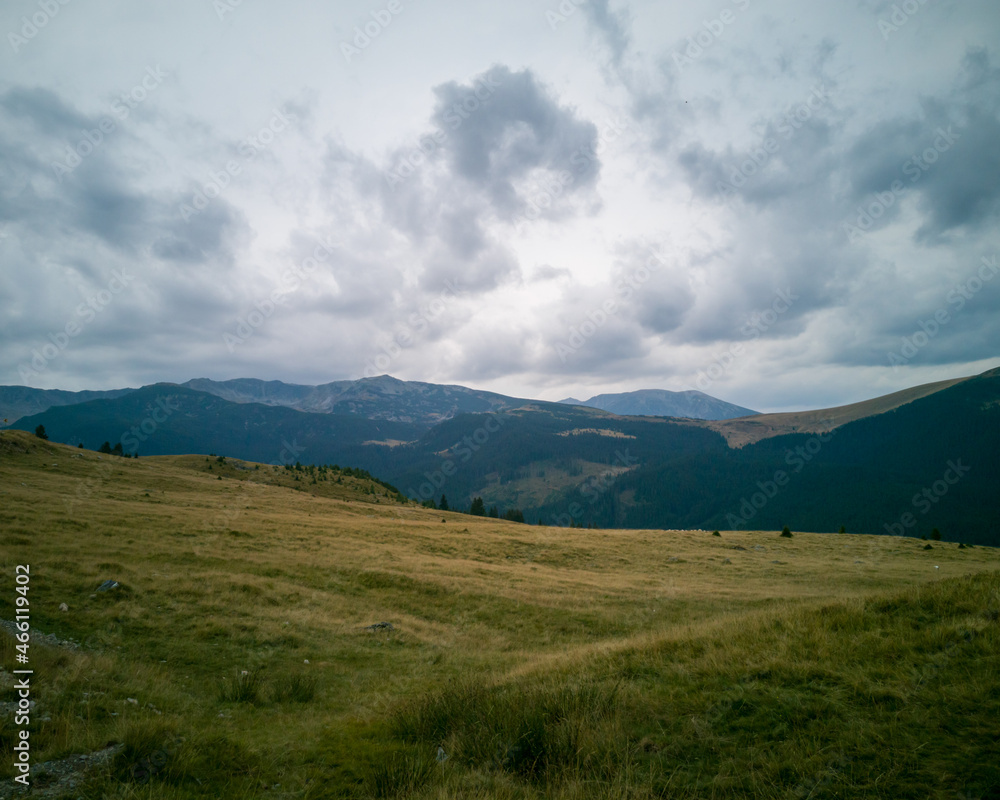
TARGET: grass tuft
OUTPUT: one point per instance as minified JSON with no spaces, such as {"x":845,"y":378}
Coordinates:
{"x":294,"y":688}
{"x":244,"y":687}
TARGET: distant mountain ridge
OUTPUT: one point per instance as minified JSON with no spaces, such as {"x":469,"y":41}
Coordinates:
{"x":663,"y":403}
{"x":379,"y":398}
{"x":868,"y":466}
{"x":20,"y":401}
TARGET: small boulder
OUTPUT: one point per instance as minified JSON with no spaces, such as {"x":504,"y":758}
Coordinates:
{"x":63,"y":607}
{"x":380,"y":626}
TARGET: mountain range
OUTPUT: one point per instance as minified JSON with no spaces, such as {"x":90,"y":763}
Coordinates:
{"x":383,"y":398}
{"x":904,"y":463}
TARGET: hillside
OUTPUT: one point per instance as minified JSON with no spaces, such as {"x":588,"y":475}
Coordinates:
{"x":591,"y":468}
{"x":234,"y":658}
{"x":872,"y":475}
{"x":166,"y":419}
{"x":746,"y":431}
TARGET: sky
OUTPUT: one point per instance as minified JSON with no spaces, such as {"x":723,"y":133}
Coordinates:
{"x":782,"y":204}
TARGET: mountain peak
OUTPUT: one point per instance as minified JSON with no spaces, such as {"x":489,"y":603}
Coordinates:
{"x":690,"y":404}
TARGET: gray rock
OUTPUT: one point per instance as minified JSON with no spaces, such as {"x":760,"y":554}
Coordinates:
{"x":380,"y":626}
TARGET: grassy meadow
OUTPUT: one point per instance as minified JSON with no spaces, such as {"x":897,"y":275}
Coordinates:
{"x":523,"y":662}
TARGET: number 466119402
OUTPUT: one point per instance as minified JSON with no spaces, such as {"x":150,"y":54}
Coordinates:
{"x":22,"y":577}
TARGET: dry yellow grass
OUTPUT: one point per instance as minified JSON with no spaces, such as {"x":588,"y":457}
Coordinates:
{"x":262,"y":571}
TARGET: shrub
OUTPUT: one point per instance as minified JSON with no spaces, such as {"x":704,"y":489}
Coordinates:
{"x":716,"y":533}
{"x":40,"y":432}
{"x":936,"y":535}
{"x":786,"y":533}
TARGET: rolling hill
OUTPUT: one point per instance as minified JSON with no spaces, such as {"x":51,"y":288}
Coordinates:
{"x":167,"y":419}
{"x":739,"y":432}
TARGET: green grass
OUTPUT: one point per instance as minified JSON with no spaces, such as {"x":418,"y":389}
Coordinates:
{"x":544,"y":663}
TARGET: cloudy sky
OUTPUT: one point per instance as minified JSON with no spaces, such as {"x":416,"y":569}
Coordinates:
{"x":783,"y":204}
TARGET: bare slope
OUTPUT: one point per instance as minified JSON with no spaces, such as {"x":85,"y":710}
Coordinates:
{"x":746,"y":430}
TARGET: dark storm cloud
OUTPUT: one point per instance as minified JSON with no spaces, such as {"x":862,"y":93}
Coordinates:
{"x":504,"y":127}
{"x":806,"y":185}
{"x":495,"y":142}
{"x":212,"y":234}
{"x":44,"y":110}
{"x":611,"y":26}
{"x":947,"y":156}
{"x":72,"y":178}
{"x":785,"y":158}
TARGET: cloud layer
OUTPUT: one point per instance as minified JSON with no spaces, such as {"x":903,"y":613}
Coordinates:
{"x":778,"y":208}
